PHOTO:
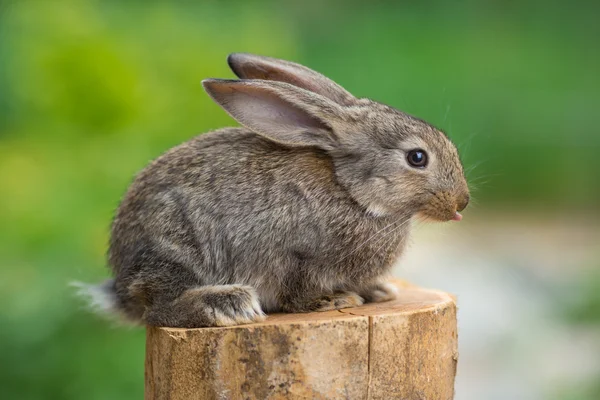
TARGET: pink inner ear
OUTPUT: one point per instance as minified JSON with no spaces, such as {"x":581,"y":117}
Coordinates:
{"x":255,"y":106}
{"x":278,"y":111}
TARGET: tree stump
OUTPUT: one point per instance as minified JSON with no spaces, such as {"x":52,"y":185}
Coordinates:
{"x":402,"y":349}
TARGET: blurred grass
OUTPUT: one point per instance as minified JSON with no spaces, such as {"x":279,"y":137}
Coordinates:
{"x":582,"y":307}
{"x":90,"y":91}
{"x":579,"y":306}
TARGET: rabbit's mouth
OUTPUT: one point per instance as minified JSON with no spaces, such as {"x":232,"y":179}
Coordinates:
{"x":443,"y":206}
{"x":436,"y":217}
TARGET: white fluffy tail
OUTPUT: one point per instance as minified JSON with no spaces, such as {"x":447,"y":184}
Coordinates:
{"x":100,"y":298}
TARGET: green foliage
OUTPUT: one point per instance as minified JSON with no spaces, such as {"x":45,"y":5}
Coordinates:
{"x":92,"y":90}
{"x":589,"y":390}
{"x":582,"y":306}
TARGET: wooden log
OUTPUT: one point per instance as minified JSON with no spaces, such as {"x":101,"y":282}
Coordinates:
{"x":402,"y":349}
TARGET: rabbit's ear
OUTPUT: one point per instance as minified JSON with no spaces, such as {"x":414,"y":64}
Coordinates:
{"x":250,"y":66}
{"x":279,"y":111}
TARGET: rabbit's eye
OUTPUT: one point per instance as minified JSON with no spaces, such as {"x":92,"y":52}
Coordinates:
{"x":417,"y":158}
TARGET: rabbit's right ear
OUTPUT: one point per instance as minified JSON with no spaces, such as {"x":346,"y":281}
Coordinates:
{"x":251,"y":66}
{"x":279,"y":111}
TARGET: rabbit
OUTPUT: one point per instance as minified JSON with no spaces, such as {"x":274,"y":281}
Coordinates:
{"x":304,"y":208}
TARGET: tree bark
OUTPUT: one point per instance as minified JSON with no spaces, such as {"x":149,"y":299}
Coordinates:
{"x":402,"y":349}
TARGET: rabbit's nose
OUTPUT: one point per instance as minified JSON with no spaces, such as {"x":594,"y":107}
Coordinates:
{"x":462,"y":202}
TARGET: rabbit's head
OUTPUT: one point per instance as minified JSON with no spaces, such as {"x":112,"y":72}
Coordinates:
{"x":390,"y":162}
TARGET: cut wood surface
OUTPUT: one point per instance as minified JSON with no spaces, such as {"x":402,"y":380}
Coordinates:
{"x":402,"y":349}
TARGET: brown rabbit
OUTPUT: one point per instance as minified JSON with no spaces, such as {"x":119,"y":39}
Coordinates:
{"x":305,"y":208}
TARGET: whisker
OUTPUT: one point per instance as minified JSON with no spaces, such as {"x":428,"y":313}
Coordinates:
{"x":446,"y":113}
{"x":420,"y":222}
{"x":369,"y":240}
{"x":384,"y":244}
{"x":465,"y":145}
{"x":366,"y":241}
{"x":486,"y":176}
{"x":480,"y":183}
{"x":472,"y":167}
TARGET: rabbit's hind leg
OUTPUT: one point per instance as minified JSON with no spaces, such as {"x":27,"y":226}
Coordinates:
{"x":204,"y":306}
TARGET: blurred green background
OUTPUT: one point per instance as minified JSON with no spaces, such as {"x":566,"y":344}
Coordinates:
{"x":90,"y":91}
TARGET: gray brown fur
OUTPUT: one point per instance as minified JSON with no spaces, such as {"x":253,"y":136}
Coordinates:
{"x":305,"y":208}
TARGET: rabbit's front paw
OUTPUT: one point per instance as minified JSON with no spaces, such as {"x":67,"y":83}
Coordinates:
{"x":384,"y":291}
{"x":333,"y":301}
{"x":336,"y":301}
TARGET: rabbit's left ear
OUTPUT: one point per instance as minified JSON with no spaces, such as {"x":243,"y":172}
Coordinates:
{"x":251,"y":66}
{"x":279,"y":111}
